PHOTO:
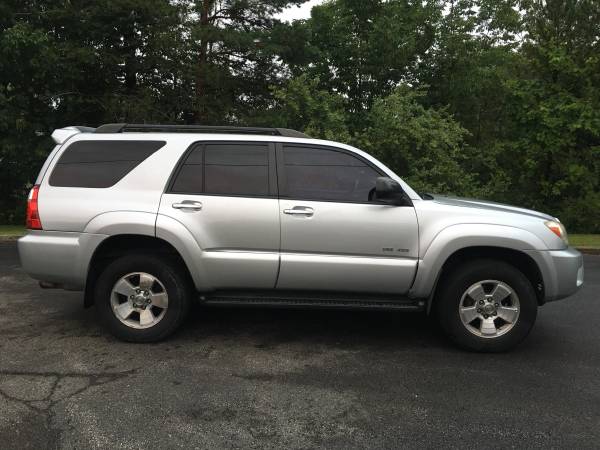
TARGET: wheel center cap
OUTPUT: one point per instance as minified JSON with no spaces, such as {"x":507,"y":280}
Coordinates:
{"x":139,"y":301}
{"x":489,"y":308}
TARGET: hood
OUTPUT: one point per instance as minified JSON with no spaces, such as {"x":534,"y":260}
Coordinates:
{"x":490,"y":206}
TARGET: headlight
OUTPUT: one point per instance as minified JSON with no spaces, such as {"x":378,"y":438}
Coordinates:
{"x":558,"y":229}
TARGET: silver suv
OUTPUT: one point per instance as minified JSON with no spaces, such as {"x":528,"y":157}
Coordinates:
{"x":147,"y":218}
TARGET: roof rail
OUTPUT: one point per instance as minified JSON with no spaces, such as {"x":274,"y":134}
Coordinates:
{"x":141,"y":128}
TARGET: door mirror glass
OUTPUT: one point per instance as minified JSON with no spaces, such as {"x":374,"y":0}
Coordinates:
{"x":389,"y":191}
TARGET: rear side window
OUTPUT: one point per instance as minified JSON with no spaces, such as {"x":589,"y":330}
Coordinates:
{"x":100,"y":164}
{"x":225,"y":169}
{"x":315,"y":173}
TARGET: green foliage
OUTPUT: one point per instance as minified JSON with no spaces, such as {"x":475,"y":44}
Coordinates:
{"x":522,"y":78}
{"x":233,"y":51}
{"x":492,"y":98}
{"x":301,"y":105}
{"x":555,"y":106}
{"x":423,"y":144}
{"x":362,"y":49}
{"x":24,"y":91}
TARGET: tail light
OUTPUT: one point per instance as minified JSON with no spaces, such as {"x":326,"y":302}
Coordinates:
{"x":33,"y":221}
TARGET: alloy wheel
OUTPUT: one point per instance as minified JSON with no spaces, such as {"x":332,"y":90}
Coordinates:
{"x":489,"y":308}
{"x":139,"y":300}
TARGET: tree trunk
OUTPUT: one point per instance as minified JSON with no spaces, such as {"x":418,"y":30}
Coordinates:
{"x":201,"y":114}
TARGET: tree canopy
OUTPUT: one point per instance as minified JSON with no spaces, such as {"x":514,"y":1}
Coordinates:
{"x":497,"y":99}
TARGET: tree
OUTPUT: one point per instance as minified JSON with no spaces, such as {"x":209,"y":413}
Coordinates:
{"x":422,"y":145}
{"x":301,"y":105}
{"x":364,"y":49}
{"x":235,"y":58}
{"x":68,"y":63}
{"x":468,"y":69}
{"x":24,"y":92}
{"x":555,"y":150}
{"x":498,"y":98}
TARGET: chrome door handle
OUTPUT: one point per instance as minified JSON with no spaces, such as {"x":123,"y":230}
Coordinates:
{"x":188,"y":205}
{"x":299,"y":211}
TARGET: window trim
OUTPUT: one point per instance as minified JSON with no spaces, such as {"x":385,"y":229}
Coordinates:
{"x":276,"y":171}
{"x":271,"y":169}
{"x":281,"y":172}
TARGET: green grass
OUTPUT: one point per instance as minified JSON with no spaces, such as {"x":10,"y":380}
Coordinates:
{"x":585,"y":240}
{"x":11,"y":230}
{"x":576,"y":240}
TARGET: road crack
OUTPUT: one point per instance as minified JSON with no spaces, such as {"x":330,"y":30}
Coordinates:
{"x":40,"y":392}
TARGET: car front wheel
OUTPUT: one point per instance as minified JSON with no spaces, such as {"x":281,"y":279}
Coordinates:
{"x":486,"y":305}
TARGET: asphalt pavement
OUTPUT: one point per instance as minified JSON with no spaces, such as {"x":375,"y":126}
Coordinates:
{"x":257,"y":378}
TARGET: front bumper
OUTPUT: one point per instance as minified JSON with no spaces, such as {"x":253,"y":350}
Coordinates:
{"x":58,"y":257}
{"x":562,"y":272}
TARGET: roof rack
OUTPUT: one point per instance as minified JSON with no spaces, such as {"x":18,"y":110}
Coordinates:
{"x":146,"y":128}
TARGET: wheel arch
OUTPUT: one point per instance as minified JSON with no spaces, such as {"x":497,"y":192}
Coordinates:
{"x":121,"y":244}
{"x":516,"y":258}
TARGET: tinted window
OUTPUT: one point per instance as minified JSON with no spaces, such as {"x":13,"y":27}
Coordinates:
{"x":189,"y":180}
{"x":100,"y":164}
{"x":225,"y":169}
{"x":319,"y":174}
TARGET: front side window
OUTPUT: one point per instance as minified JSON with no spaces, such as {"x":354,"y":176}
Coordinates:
{"x":313,"y":173}
{"x":225,"y":169}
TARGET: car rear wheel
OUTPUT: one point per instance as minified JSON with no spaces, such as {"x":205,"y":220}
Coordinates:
{"x":142,"y":298}
{"x":486,"y":305}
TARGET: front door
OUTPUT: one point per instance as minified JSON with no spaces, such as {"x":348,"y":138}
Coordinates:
{"x":332,"y":236}
{"x":225,"y":194}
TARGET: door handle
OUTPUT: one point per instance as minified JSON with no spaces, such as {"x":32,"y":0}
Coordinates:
{"x":188,"y":205}
{"x":299,"y":211}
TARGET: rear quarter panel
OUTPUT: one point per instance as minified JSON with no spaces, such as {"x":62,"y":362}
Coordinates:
{"x":73,"y":208}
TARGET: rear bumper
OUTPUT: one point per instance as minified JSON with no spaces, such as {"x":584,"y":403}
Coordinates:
{"x":562,"y":271}
{"x":58,"y":257}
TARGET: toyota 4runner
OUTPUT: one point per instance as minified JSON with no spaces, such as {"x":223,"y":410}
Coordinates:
{"x":147,"y":218}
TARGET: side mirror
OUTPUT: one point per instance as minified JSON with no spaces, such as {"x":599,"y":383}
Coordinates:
{"x":389,"y":191}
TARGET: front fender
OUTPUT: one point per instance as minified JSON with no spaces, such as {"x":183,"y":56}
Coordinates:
{"x":460,"y":236}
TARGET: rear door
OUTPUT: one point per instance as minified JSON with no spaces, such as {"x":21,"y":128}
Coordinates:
{"x":332,"y":236}
{"x":225,"y":194}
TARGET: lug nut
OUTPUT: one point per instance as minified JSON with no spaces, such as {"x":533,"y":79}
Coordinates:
{"x":478,"y":310}
{"x":496,"y":304}
{"x":485,"y":316}
{"x":481,"y":302}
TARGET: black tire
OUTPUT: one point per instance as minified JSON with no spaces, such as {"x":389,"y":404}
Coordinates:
{"x":450,"y":292}
{"x":172,"y":276}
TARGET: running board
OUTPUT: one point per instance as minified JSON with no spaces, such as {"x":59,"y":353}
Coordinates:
{"x":302,"y":300}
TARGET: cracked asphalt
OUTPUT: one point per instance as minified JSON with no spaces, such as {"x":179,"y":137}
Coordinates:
{"x":254,"y":378}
